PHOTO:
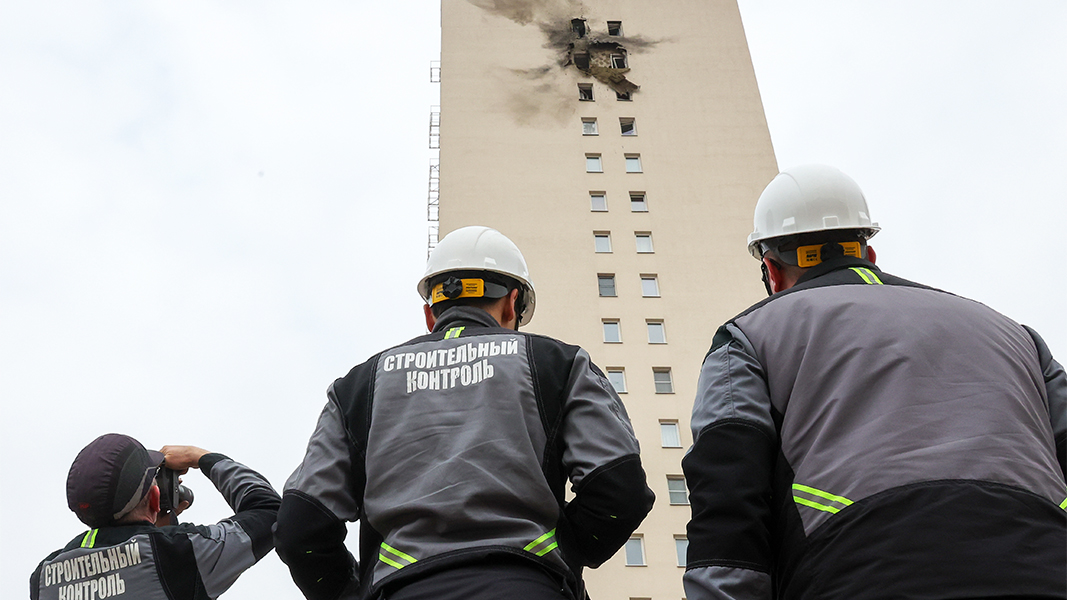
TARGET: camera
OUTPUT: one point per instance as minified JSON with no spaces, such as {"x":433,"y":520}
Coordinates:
{"x":171,"y":492}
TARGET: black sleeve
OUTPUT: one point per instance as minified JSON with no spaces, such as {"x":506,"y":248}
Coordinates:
{"x":320,"y":498}
{"x":310,"y":541}
{"x":608,"y":506}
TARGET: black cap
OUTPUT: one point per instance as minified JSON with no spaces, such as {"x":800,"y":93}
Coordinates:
{"x":109,"y":478}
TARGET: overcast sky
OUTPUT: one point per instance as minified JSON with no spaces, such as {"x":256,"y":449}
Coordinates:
{"x":210,"y":210}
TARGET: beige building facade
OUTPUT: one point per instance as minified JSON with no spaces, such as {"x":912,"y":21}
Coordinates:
{"x":622,"y":145}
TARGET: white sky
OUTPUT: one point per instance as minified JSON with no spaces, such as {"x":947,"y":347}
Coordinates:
{"x":210,"y":210}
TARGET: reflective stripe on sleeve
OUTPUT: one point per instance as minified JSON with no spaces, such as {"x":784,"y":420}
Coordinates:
{"x":819,"y":503}
{"x":544,"y":539}
{"x":396,"y":554}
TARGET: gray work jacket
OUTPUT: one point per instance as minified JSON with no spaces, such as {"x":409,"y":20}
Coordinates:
{"x":454,"y":449}
{"x":863,"y":436}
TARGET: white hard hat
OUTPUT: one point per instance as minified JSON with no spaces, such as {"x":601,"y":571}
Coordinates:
{"x":479,"y":248}
{"x":809,"y":198}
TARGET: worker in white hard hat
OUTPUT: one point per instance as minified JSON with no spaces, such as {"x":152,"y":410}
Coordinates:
{"x":454,"y":449}
{"x":858,"y":435}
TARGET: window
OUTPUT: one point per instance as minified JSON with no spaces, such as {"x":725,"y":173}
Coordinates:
{"x":635,"y":552}
{"x":649,"y":286}
{"x":598,"y":202}
{"x":628,"y":125}
{"x":668,"y":434}
{"x":621,"y":96}
{"x":633,"y":163}
{"x":581,"y":60}
{"x":662,"y":379}
{"x":585,"y":92}
{"x":602,"y":242}
{"x":589,"y":126}
{"x":617,"y":378}
{"x":656,"y":334}
{"x":592,"y":164}
{"x":606,"y":283}
{"x":618,"y":60}
{"x":681,"y":546}
{"x":612,"y":332}
{"x":614,"y":27}
{"x":644,"y":242}
{"x":676,"y":489}
{"x":638,"y":203}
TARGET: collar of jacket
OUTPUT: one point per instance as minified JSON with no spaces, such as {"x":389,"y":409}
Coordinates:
{"x":835,"y":264}
{"x":464,"y":315}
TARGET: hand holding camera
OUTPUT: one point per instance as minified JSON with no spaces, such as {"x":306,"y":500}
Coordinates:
{"x":173,"y":496}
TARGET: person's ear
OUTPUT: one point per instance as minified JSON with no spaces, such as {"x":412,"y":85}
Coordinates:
{"x":775,"y":275}
{"x":153,"y":498}
{"x":430,"y":320}
{"x":509,"y":314}
{"x":872,"y":256}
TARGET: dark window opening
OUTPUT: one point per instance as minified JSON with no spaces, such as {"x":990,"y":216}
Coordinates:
{"x":614,"y":27}
{"x":618,"y":61}
{"x":624,"y":96}
{"x":581,"y":60}
{"x":585,"y":91}
{"x":578,"y":27}
{"x":628,"y":126}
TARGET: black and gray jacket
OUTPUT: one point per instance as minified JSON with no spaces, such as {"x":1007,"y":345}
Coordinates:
{"x":861,"y":436}
{"x":455,"y":448}
{"x":181,"y":562}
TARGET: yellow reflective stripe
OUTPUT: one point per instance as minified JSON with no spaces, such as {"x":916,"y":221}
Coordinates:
{"x":867,"y":275}
{"x":816,"y":505}
{"x":538,"y":541}
{"x":397,"y":553}
{"x":550,"y":548}
{"x":822,"y":494}
{"x":874,"y":276}
{"x":1063,"y":504}
{"x":453,"y":333}
{"x":385,"y":559}
{"x":90,"y":538}
{"x":529,"y":547}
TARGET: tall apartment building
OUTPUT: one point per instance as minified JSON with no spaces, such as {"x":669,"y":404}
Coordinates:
{"x":622,"y":145}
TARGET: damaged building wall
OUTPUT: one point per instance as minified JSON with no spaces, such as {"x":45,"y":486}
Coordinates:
{"x":595,"y":54}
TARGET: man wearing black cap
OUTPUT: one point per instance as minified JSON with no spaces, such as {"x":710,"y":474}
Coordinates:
{"x":111,"y":488}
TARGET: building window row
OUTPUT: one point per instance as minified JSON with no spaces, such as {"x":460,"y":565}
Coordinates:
{"x":657,"y":334}
{"x":642,"y":241}
{"x":627,"y":126}
{"x":661,"y":379}
{"x":598,"y":201}
{"x":635,"y":550}
{"x":594,"y":163}
{"x":607,"y":289}
{"x":585,"y":90}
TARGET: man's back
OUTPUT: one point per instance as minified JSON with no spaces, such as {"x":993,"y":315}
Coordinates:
{"x":463,"y":441}
{"x":915,"y":439}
